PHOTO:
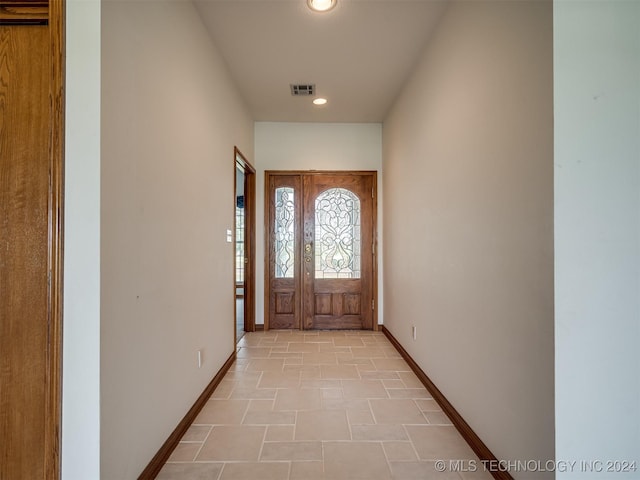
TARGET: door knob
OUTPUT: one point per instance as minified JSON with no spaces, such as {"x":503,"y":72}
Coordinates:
{"x":307,"y":248}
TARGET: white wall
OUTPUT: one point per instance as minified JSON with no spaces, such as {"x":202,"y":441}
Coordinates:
{"x":81,"y":342}
{"x":468,"y":188}
{"x":597,"y":234}
{"x":313,"y":146}
{"x":170,"y":119}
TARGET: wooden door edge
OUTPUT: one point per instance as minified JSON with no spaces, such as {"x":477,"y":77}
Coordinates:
{"x":53,"y":403}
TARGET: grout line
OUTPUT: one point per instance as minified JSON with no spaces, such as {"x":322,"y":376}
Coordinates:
{"x":203,"y":442}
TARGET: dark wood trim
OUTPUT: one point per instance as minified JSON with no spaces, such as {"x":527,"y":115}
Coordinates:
{"x":249,"y":241}
{"x":374,"y":193}
{"x":26,"y":13}
{"x":160,"y":458}
{"x":260,"y":328}
{"x":53,"y":406}
{"x":474,"y":441}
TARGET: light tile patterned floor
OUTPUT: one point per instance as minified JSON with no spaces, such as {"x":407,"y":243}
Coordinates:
{"x":319,"y":406}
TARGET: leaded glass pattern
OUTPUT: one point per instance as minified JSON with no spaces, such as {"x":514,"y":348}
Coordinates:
{"x":284,"y":233}
{"x":337,"y":234}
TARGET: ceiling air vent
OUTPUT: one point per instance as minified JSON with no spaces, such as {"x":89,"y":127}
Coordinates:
{"x":303,"y":90}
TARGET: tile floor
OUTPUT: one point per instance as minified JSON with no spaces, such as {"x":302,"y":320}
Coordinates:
{"x":319,"y":406}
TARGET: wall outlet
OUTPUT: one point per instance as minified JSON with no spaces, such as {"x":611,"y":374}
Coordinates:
{"x":414,"y":333}
{"x":199,"y":353}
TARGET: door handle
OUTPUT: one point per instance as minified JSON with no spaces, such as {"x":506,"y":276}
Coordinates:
{"x":307,"y":248}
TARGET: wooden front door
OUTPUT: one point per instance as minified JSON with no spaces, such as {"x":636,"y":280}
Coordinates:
{"x":321,"y":244}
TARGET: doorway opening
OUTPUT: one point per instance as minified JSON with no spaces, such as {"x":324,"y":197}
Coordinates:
{"x":244,"y":251}
{"x":320,"y":270}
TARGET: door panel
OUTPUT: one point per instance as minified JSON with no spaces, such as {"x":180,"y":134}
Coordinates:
{"x":338,"y":236}
{"x":284,"y":259}
{"x":329,"y":258}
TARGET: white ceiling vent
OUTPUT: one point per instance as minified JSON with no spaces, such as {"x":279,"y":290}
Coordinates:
{"x":303,"y":90}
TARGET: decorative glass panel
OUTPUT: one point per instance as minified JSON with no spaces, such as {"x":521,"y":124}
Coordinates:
{"x":284,"y":232}
{"x":337,"y":234}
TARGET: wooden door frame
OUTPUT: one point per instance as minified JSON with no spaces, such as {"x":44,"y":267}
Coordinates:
{"x":50,"y":13}
{"x":268,"y":174}
{"x":249,"y":245}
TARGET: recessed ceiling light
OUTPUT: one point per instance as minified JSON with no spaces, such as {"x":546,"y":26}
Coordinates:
{"x":320,"y":101}
{"x":321,"y":5}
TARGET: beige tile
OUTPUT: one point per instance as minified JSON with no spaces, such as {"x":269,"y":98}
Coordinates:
{"x":322,"y":425}
{"x":224,"y":389}
{"x":399,"y":451}
{"x":269,"y":418}
{"x":192,"y":471}
{"x":249,"y":393}
{"x":266,"y":365}
{"x":350,"y":341}
{"x":279,"y":380}
{"x":260,"y":405}
{"x":304,"y":347}
{"x":250,"y":341}
{"x":390,"y":364}
{"x":307,"y":471}
{"x":253,"y":352}
{"x":278,"y":350}
{"x":298,"y":399}
{"x":364,"y":389}
{"x":279,"y":433}
{"x":391,"y":352}
{"x":362,"y":363}
{"x":433,"y":442}
{"x":437,"y":418}
{"x":293,"y":361}
{"x":319,"y":383}
{"x":378,"y":432}
{"x":285,"y":355}
{"x":334,"y":393}
{"x":317,"y":358}
{"x":306,"y":372}
{"x":378,"y":375}
{"x":339,"y":372}
{"x":185,"y":452}
{"x":196,"y":433}
{"x":232,"y":443}
{"x":346,"y":404}
{"x":253,"y":471}
{"x":410,"y":380}
{"x":330,"y":347}
{"x":310,"y":338}
{"x":420,"y":471}
{"x":355,"y":461}
{"x":409,"y":393}
{"x":367,"y":352}
{"x":394,"y":383}
{"x":222,"y":412}
{"x":360,"y":417}
{"x":243,"y":379}
{"x":291,"y":451}
{"x":396,"y":411}
{"x":428,"y":405}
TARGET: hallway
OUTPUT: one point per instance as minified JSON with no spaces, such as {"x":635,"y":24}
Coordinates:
{"x":335,"y":405}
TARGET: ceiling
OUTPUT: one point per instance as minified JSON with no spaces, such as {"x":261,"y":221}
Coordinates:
{"x":358,"y":55}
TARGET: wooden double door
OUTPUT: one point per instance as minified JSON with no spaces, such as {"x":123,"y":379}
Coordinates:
{"x":321,"y":271}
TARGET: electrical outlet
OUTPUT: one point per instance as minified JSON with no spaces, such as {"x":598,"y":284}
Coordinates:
{"x":414,"y":333}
